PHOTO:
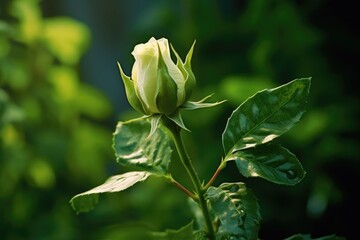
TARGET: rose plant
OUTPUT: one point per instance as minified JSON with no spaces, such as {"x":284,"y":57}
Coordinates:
{"x":160,"y":89}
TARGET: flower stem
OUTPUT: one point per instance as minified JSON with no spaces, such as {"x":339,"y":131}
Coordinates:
{"x":186,"y":161}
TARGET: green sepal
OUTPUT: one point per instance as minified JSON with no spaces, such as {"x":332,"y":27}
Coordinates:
{"x":189,"y":105}
{"x":176,"y":118}
{"x":130,"y":92}
{"x":179,"y":62}
{"x":186,"y":70}
{"x":190,"y":80}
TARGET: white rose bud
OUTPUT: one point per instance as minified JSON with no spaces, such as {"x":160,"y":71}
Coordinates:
{"x":158,"y":85}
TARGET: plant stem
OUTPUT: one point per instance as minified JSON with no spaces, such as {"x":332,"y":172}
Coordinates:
{"x":183,"y":189}
{"x":185,"y":159}
{"x":216,"y":174}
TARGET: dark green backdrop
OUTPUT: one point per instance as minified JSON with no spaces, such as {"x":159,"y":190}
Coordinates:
{"x":61,"y":96}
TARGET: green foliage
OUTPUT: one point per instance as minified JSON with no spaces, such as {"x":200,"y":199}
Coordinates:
{"x":271,"y":162}
{"x":230,"y":211}
{"x":48,"y":120}
{"x":237,"y":210}
{"x":262,"y":118}
{"x":265,"y":116}
{"x":54,"y":129}
{"x":74,"y":39}
{"x":135,"y":147}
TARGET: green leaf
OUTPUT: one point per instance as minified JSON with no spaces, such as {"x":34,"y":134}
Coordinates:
{"x":134,"y":148}
{"x":271,"y":162}
{"x":86,"y":201}
{"x":266,"y":115}
{"x":184,"y":233}
{"x":236,"y":208}
{"x":308,"y":237}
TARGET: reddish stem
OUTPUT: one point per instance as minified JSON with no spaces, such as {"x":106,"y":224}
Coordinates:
{"x":218,"y":170}
{"x":184,"y":189}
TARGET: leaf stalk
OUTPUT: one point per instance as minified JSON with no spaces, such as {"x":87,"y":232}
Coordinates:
{"x":184,"y":189}
{"x":216,"y":174}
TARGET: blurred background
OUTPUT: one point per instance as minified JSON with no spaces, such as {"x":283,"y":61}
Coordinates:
{"x":61,"y":96}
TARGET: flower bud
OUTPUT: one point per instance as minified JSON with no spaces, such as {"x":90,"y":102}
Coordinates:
{"x":158,"y":85}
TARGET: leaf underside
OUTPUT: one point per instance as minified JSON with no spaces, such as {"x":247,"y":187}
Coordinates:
{"x":86,"y":201}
